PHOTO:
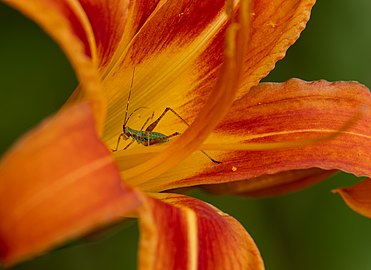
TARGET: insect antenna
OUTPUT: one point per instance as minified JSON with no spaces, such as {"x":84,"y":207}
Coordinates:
{"x":131,"y":114}
{"x":126,"y":119}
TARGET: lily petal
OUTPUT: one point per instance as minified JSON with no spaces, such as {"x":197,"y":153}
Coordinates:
{"x":358,"y":197}
{"x":180,"y":232}
{"x":275,"y":112}
{"x":58,"y":182}
{"x":177,"y":53}
{"x":67,"y":23}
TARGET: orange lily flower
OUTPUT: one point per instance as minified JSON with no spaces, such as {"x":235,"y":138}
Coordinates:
{"x":204,"y":61}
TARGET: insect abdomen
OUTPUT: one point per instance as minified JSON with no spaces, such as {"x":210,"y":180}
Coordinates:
{"x":150,"y":138}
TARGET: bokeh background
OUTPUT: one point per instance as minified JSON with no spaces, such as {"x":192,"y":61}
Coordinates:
{"x":310,"y":229}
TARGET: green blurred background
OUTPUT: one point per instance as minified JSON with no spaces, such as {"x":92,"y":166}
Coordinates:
{"x":311,"y":229}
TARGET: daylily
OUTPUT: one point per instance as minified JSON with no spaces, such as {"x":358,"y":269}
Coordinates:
{"x":204,"y":59}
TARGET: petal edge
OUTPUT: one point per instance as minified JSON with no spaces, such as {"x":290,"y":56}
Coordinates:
{"x":358,"y":197}
{"x":203,"y":238}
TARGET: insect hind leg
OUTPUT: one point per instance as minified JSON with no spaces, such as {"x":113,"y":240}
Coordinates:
{"x":152,"y":126}
{"x":146,"y":122}
{"x":130,"y":143}
{"x":173,"y":135}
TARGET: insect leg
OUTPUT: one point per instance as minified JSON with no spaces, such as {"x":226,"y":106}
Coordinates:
{"x":154,"y":124}
{"x":173,"y":135}
{"x":130,"y":143}
{"x":118,"y":142}
{"x":146,"y":122}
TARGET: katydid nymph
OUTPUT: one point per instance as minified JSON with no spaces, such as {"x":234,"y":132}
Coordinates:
{"x":148,"y":137}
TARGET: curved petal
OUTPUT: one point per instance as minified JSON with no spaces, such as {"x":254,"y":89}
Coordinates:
{"x":56,"y":183}
{"x":177,"y":51}
{"x":358,"y":197}
{"x":98,"y":25}
{"x":71,"y":24}
{"x":63,"y":20}
{"x":180,"y":232}
{"x":274,"y":112}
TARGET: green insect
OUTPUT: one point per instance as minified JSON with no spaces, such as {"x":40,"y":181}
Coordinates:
{"x":148,"y":137}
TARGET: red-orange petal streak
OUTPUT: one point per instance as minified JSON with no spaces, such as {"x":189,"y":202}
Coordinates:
{"x":180,"y":232}
{"x":275,"y":26}
{"x":171,"y":23}
{"x":56,"y":183}
{"x":358,"y":197}
{"x":107,"y":19}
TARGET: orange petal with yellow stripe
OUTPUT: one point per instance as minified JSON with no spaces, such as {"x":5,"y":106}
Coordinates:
{"x":283,"y":117}
{"x":56,"y":183}
{"x":180,"y":232}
